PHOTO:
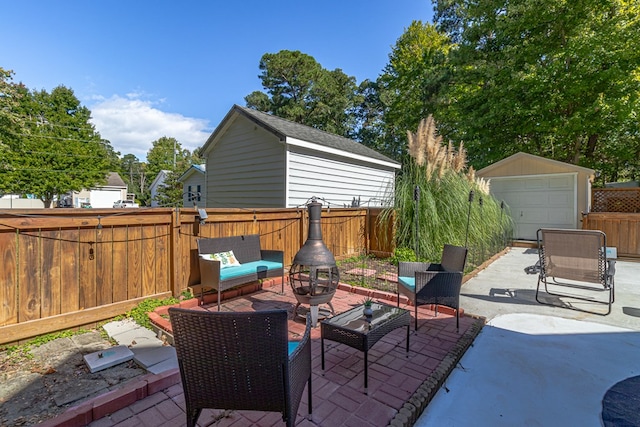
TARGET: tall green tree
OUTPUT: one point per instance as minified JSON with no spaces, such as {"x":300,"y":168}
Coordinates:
{"x":412,"y":82}
{"x":170,"y":193}
{"x":59,"y":151}
{"x":299,"y":89}
{"x":166,"y":153}
{"x":11,"y":123}
{"x":553,"y":78}
{"x":133,"y":172}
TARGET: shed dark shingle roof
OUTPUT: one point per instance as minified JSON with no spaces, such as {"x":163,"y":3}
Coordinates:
{"x":287,"y":128}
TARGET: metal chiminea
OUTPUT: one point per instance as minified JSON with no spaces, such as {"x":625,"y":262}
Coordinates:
{"x":314,"y":275}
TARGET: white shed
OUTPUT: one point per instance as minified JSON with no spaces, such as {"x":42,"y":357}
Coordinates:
{"x":255,"y":159}
{"x":540,"y":192}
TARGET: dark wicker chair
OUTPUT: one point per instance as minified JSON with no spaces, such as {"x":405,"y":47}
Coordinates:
{"x":430,"y":283}
{"x":575,"y":259}
{"x":240,"y":361}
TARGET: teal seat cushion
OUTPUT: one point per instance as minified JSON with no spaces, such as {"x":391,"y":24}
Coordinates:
{"x":248,"y":268}
{"x":292,"y":346}
{"x":407,"y":282}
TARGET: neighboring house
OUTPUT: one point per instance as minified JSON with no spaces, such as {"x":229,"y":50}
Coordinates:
{"x":256,"y":159}
{"x":193,"y":186}
{"x":101,"y":196}
{"x":540,"y":192}
{"x":155,"y":186}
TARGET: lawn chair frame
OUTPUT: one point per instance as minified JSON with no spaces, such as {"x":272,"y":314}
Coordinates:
{"x":575,"y":259}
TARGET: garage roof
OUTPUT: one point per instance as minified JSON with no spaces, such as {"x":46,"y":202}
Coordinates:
{"x":531,"y":159}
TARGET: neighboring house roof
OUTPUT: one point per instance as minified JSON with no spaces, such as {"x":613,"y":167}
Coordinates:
{"x":532,"y":157}
{"x":201,"y":169}
{"x":114,"y":180}
{"x":302,"y":135}
{"x":159,"y":179}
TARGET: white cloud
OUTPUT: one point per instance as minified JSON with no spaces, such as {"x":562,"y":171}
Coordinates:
{"x":131,"y":124}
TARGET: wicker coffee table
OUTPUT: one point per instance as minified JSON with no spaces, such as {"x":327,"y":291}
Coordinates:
{"x":355,"y":330}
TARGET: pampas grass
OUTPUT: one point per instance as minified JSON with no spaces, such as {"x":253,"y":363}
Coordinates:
{"x":439,"y":171}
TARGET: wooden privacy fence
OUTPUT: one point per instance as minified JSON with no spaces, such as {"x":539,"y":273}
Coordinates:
{"x":63,"y":268}
{"x":616,"y":212}
{"x":622,"y":230}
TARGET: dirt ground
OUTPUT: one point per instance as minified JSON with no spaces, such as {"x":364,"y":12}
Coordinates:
{"x":369,"y":272}
{"x":53,"y":377}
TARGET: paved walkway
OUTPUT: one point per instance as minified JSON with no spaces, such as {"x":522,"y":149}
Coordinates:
{"x":338,"y":396}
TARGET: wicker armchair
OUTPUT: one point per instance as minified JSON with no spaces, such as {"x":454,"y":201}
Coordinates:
{"x":430,"y":283}
{"x":241,"y":361}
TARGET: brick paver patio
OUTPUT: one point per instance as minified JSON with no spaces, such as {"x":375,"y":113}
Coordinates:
{"x":400,"y":386}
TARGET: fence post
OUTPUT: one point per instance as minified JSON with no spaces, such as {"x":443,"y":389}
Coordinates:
{"x":175,"y":267}
{"x":585,"y":221}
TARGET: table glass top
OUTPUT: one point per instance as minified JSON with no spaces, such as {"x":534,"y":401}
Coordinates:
{"x":355,"y":319}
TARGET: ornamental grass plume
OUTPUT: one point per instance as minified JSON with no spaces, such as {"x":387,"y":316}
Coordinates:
{"x":439,"y":215}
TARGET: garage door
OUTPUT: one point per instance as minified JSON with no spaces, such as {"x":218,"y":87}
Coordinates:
{"x":538,"y":201}
{"x":104,"y":198}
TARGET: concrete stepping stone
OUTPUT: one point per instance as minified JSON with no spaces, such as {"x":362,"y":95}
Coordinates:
{"x":103,"y":359}
{"x":150,"y":356}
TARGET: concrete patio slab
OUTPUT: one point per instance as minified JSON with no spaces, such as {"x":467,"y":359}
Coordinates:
{"x":505,"y":288}
{"x":534,"y":364}
{"x":528,"y":369}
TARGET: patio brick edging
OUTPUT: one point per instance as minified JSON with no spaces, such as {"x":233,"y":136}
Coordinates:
{"x":418,"y":402}
{"x":112,"y":401}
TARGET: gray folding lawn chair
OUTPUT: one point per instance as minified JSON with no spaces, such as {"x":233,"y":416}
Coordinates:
{"x":574,"y":264}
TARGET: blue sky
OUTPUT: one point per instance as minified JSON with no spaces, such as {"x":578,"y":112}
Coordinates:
{"x":148,"y":69}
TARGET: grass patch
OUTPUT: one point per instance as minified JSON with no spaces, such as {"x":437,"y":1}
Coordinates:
{"x":140,"y":313}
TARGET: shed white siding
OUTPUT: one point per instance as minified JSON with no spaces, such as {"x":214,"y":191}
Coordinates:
{"x":336,"y":180}
{"x":246,"y":169}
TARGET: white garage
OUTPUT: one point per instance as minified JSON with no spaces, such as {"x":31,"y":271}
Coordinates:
{"x":540,"y":192}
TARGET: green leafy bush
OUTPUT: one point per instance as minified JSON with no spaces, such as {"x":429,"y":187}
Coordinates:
{"x":403,"y":254}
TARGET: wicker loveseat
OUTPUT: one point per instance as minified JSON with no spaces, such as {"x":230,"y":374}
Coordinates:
{"x":255,"y":263}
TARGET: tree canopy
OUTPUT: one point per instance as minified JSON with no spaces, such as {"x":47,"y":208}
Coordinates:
{"x":57,"y":149}
{"x":410,"y":85}
{"x":556,"y":79}
{"x":299,"y":89}
{"x":167,"y":153}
